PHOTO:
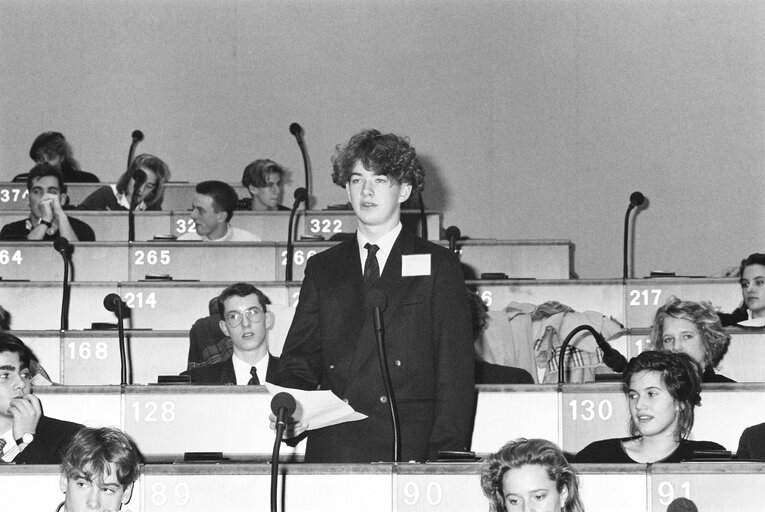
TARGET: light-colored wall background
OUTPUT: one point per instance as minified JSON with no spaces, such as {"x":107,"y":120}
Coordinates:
{"x":536,"y":119}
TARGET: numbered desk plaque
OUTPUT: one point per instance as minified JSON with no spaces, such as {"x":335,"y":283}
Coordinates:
{"x":644,"y":297}
{"x":421,"y":488}
{"x":591,"y":412}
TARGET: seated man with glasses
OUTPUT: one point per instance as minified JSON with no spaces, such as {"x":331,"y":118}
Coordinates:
{"x":244,"y":351}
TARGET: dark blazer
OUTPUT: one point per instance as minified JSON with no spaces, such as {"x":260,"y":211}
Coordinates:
{"x":51,"y":438}
{"x":223,"y":372}
{"x":751,"y":445}
{"x":331,"y":345}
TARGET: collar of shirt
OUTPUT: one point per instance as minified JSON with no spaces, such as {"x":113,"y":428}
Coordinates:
{"x":385,"y":243}
{"x":225,"y":238}
{"x":123,"y":200}
{"x":242,"y":369}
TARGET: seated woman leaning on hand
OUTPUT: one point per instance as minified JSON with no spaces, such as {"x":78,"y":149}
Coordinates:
{"x":530,"y":474}
{"x":117,"y":197}
{"x":662,"y":389}
{"x":694,"y":329}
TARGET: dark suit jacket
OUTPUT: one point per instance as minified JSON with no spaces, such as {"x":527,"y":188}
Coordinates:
{"x":331,"y":345}
{"x":751,"y":445}
{"x":50,"y":440}
{"x":223,"y":372}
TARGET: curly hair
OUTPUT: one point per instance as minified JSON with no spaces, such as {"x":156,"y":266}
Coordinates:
{"x":381,"y":153}
{"x":91,"y":450}
{"x":522,"y":452}
{"x":679,"y":373}
{"x":155,"y":165}
{"x":704,"y":317}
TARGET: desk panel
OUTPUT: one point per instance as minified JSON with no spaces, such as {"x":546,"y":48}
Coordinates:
{"x":93,"y":406}
{"x":14,"y":196}
{"x":612,"y":487}
{"x":438,"y":487}
{"x":644,"y":296}
{"x":204,"y":261}
{"x":592,"y":412}
{"x":541,"y":259}
{"x":268,"y":226}
{"x":605,"y":296}
{"x":167,"y":421}
{"x":328,"y":223}
{"x":509,"y":412}
{"x":39,"y":261}
{"x":711,"y":486}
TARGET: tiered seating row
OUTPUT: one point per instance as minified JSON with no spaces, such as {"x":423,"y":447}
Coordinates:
{"x":261,"y":261}
{"x":396,"y":488}
{"x":112,"y":226}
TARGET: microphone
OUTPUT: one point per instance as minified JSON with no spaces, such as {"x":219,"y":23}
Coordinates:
{"x":636,"y":200}
{"x":301,"y":194}
{"x":453,"y":234}
{"x":297,"y":131}
{"x":611,"y":357}
{"x":283,"y":406}
{"x":137,"y":137}
{"x":63,"y":247}
{"x":113,"y":303}
{"x":682,"y":505}
{"x":378,"y":302}
{"x":139,"y":178}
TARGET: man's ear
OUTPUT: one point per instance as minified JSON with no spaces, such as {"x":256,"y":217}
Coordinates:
{"x":405,"y":192}
{"x":62,"y":198}
{"x":127,"y":494}
{"x":252,"y":189}
{"x":348,"y":189}
{"x":223,"y":327}
{"x":62,"y":481}
{"x":269,"y":320}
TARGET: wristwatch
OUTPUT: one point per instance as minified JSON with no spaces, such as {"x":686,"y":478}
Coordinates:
{"x":46,"y":223}
{"x":26,"y":438}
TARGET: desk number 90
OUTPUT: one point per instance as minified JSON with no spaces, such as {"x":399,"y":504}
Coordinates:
{"x":588,"y":410}
{"x":434,"y":493}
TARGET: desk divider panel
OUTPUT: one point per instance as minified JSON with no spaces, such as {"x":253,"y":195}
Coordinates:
{"x":643,"y":297}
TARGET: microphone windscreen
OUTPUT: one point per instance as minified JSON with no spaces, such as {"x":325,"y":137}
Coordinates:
{"x":112,"y":302}
{"x":636,"y":198}
{"x":296,"y":130}
{"x":137,"y":135}
{"x":453,"y":232}
{"x":682,"y":505}
{"x":301,"y":194}
{"x":61,"y":244}
{"x":283,"y":400}
{"x":377,"y":299}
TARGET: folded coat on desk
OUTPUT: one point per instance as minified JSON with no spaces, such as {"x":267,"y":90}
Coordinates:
{"x":511,"y":335}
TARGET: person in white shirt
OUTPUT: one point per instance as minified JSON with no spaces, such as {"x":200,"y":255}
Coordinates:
{"x":212,"y":208}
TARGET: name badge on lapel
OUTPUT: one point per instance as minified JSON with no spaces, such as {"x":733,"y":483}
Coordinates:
{"x":415,"y":265}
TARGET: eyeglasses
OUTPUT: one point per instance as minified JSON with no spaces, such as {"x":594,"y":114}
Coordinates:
{"x":254,"y":315}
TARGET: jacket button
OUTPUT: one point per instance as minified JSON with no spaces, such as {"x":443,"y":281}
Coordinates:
{"x":384,"y":399}
{"x":346,"y":400}
{"x":332,"y":367}
{"x":397,"y":362}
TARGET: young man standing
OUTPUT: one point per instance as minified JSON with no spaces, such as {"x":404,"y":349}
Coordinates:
{"x":98,"y":470}
{"x":212,"y":208}
{"x":245,"y":321}
{"x":331,"y":343}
